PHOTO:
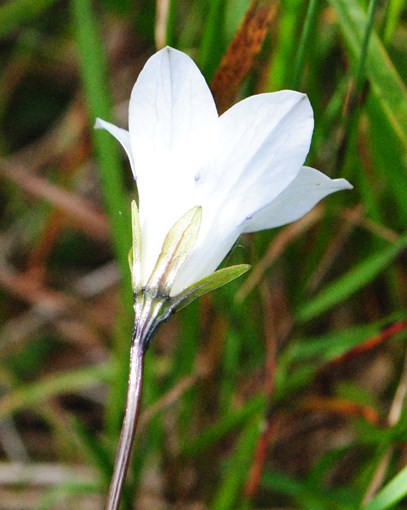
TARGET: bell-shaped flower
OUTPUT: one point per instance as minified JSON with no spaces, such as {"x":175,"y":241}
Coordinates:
{"x":204,"y":179}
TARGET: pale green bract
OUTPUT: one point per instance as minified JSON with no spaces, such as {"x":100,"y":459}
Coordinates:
{"x":205,"y":179}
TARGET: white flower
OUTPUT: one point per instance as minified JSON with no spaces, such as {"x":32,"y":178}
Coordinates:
{"x":244,"y":169}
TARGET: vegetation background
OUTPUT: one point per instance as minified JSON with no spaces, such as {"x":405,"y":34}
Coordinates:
{"x":283,"y":390}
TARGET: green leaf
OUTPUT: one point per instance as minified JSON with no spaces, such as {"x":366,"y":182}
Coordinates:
{"x":209,"y":283}
{"x":306,"y":494}
{"x":230,"y":422}
{"x":14,"y":13}
{"x":177,"y":245}
{"x":212,"y":40}
{"x":94,"y":75}
{"x":95,"y":80}
{"x":386,"y":82}
{"x":304,"y":43}
{"x":32,"y":395}
{"x":391,"y":494}
{"x":238,"y":466}
{"x":354,"y":280}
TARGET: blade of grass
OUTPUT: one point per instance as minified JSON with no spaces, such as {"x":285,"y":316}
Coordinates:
{"x":306,"y":35}
{"x":386,"y":82}
{"x":391,"y":494}
{"x":386,"y":152}
{"x":68,"y":492}
{"x":211,"y":47}
{"x":289,"y":20}
{"x":360,"y":71}
{"x":171,"y":22}
{"x":393,"y":15}
{"x":238,"y":466}
{"x":306,"y":495}
{"x":95,"y":79}
{"x":17,"y":12}
{"x":230,"y":422}
{"x":362,"y":274}
{"x":32,"y":395}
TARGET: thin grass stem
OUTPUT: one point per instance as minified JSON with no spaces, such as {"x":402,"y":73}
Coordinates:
{"x":306,"y":34}
{"x":360,"y":71}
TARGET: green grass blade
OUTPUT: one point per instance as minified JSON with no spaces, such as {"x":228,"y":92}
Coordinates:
{"x":354,"y":280}
{"x":170,"y":36}
{"x":306,"y":35}
{"x":360,"y":71}
{"x":286,"y":46}
{"x":393,"y":17}
{"x":230,"y":422}
{"x":238,"y":466}
{"x":211,"y":47}
{"x":95,"y":79}
{"x":34,"y":394}
{"x":308,"y":496}
{"x":386,"y":82}
{"x":14,"y":14}
{"x":391,"y":494}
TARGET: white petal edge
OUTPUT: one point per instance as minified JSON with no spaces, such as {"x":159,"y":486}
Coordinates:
{"x":171,"y":111}
{"x":121,"y":135}
{"x":305,"y":191}
{"x":263,"y":142}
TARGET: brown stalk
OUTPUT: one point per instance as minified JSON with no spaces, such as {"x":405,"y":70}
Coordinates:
{"x":370,"y":343}
{"x":77,"y":210}
{"x":242,"y":51}
{"x":271,"y":426}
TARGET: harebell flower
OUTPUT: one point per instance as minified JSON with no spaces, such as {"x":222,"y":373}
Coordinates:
{"x":202,"y":181}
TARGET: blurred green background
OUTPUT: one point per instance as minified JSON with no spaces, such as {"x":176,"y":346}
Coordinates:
{"x":283,"y":390}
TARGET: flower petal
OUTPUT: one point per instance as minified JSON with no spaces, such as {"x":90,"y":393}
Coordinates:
{"x":171,"y":110}
{"x":306,"y":190}
{"x":212,"y":245}
{"x":171,"y":116}
{"x":122,"y":135}
{"x":264,"y":141}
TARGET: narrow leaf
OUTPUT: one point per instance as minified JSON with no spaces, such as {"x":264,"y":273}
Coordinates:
{"x":94,"y":75}
{"x":238,"y":467}
{"x":15,"y":13}
{"x":209,"y":283}
{"x":386,"y":82}
{"x":391,"y":494}
{"x":231,"y":421}
{"x":354,"y":280}
{"x":34,"y":394}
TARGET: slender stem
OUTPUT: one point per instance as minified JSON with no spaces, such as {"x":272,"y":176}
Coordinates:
{"x":307,"y":33}
{"x":129,"y":423}
{"x":150,"y":311}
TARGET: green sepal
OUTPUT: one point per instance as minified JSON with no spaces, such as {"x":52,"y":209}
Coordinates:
{"x":177,"y":245}
{"x":135,"y":251}
{"x":207,"y":284}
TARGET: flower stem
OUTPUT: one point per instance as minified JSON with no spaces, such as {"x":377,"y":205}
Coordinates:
{"x":121,"y":464}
